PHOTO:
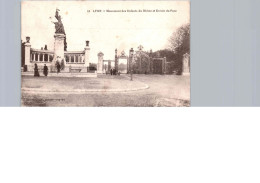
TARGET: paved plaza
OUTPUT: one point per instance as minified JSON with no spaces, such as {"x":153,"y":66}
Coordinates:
{"x":107,"y":90}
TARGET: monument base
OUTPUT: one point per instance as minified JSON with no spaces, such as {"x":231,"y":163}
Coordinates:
{"x":59,"y":48}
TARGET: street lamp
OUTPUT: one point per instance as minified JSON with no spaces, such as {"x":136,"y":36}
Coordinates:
{"x":131,"y":62}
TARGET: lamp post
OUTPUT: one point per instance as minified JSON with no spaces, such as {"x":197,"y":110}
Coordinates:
{"x":131,"y":62}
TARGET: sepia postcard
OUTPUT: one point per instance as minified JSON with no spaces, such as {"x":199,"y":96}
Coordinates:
{"x":105,"y":54}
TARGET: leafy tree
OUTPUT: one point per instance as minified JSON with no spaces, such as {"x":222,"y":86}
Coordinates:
{"x":179,"y":43}
{"x":180,"y":40}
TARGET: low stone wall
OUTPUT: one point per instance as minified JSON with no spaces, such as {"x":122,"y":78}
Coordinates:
{"x":51,"y":68}
{"x":75,"y":61}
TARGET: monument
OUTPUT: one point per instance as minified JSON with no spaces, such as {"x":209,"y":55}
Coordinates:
{"x":59,"y":43}
{"x":70,"y":61}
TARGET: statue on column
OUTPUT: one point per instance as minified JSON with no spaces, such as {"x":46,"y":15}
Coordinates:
{"x":59,"y":28}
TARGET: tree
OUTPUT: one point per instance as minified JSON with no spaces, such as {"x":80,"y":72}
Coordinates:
{"x":180,"y":40}
{"x":179,"y":43}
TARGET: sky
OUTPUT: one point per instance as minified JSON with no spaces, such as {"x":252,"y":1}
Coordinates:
{"x":106,"y":31}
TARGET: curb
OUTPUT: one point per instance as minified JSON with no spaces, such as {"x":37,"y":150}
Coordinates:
{"x":79,"y":91}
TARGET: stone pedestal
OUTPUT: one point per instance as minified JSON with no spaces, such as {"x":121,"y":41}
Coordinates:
{"x":59,"y":48}
{"x":186,"y":64}
{"x":27,"y":55}
{"x":87,"y":50}
{"x":100,"y":63}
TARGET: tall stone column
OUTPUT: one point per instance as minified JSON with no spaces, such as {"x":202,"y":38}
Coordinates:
{"x":164,"y":65}
{"x":127,"y":65}
{"x":151,"y":62}
{"x":59,"y":48}
{"x":87,"y":51}
{"x":129,"y":62}
{"x":27,"y":54}
{"x":109,"y":65}
{"x":140,"y":64}
{"x":116,"y":60}
{"x":185,"y":64}
{"x":100,"y":63}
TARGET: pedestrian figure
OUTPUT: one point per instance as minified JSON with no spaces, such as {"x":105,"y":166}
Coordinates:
{"x":58,"y":67}
{"x":62,"y":64}
{"x":45,"y":70}
{"x":114,"y":71}
{"x":36,"y":71}
{"x":111,"y":71}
